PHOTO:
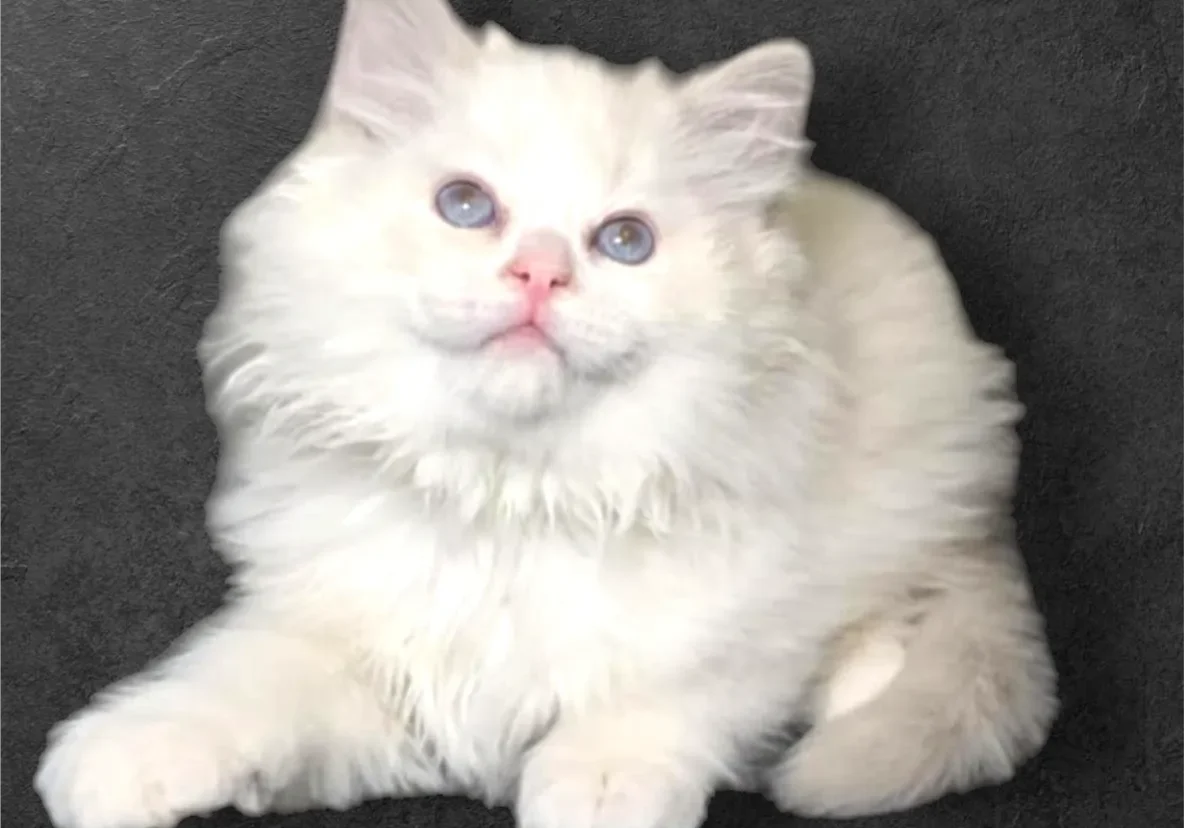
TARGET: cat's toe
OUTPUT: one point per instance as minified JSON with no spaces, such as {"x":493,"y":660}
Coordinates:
{"x":587,"y":791}
{"x":105,"y":770}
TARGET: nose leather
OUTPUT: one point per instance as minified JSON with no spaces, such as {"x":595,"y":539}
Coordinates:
{"x":541,"y":264}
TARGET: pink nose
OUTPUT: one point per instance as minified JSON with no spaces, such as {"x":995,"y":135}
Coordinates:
{"x":542,"y":263}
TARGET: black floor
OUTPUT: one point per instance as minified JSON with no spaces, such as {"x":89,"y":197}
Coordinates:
{"x":1039,"y":140}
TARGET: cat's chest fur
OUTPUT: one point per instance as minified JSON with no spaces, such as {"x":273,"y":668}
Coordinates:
{"x":485,"y":631}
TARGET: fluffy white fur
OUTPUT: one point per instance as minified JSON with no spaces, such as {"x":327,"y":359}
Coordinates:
{"x":762,"y":478}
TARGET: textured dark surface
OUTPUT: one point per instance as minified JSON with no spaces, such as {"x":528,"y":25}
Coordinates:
{"x":1039,"y":140}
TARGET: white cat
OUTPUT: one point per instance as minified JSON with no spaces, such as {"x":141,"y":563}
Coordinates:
{"x":578,"y":439}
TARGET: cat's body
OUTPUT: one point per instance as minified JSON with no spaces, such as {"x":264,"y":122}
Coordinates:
{"x":596,"y":579}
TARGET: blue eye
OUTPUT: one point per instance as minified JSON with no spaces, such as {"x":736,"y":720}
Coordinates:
{"x":626,"y":240}
{"x":464,"y":204}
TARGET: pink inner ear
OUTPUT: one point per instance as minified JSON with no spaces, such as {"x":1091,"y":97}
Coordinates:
{"x":389,"y":60}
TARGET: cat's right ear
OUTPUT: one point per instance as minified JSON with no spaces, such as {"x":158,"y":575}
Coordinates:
{"x":393,"y":61}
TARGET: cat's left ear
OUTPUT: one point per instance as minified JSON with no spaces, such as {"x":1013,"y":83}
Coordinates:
{"x":741,"y":123}
{"x":393,"y":62}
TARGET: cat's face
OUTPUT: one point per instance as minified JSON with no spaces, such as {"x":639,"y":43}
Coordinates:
{"x":532,"y":240}
{"x":536,"y":226}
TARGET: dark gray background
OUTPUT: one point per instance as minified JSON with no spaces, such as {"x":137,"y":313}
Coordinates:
{"x":1039,"y":140}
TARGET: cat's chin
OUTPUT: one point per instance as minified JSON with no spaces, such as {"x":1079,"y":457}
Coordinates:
{"x":519,"y":379}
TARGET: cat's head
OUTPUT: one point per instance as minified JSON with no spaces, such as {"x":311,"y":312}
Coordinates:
{"x":492,"y":236}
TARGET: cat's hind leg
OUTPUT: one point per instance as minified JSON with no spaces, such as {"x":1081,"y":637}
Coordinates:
{"x":950,"y":694}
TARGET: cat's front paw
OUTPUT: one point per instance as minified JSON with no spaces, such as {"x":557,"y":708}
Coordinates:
{"x":105,"y":769}
{"x":563,"y":786}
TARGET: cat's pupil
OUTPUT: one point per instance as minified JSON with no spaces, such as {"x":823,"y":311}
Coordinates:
{"x":465,"y":195}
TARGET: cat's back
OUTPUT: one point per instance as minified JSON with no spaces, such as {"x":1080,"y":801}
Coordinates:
{"x":926,"y":428}
{"x":889,"y":304}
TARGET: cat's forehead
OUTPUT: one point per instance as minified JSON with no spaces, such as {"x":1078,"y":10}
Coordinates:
{"x":556,"y":125}
{"x":561,"y":81}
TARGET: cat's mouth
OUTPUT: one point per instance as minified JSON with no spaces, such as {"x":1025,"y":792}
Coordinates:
{"x":592,"y":352}
{"x":459,"y":329}
{"x":525,"y":336}
{"x":597,"y":350}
